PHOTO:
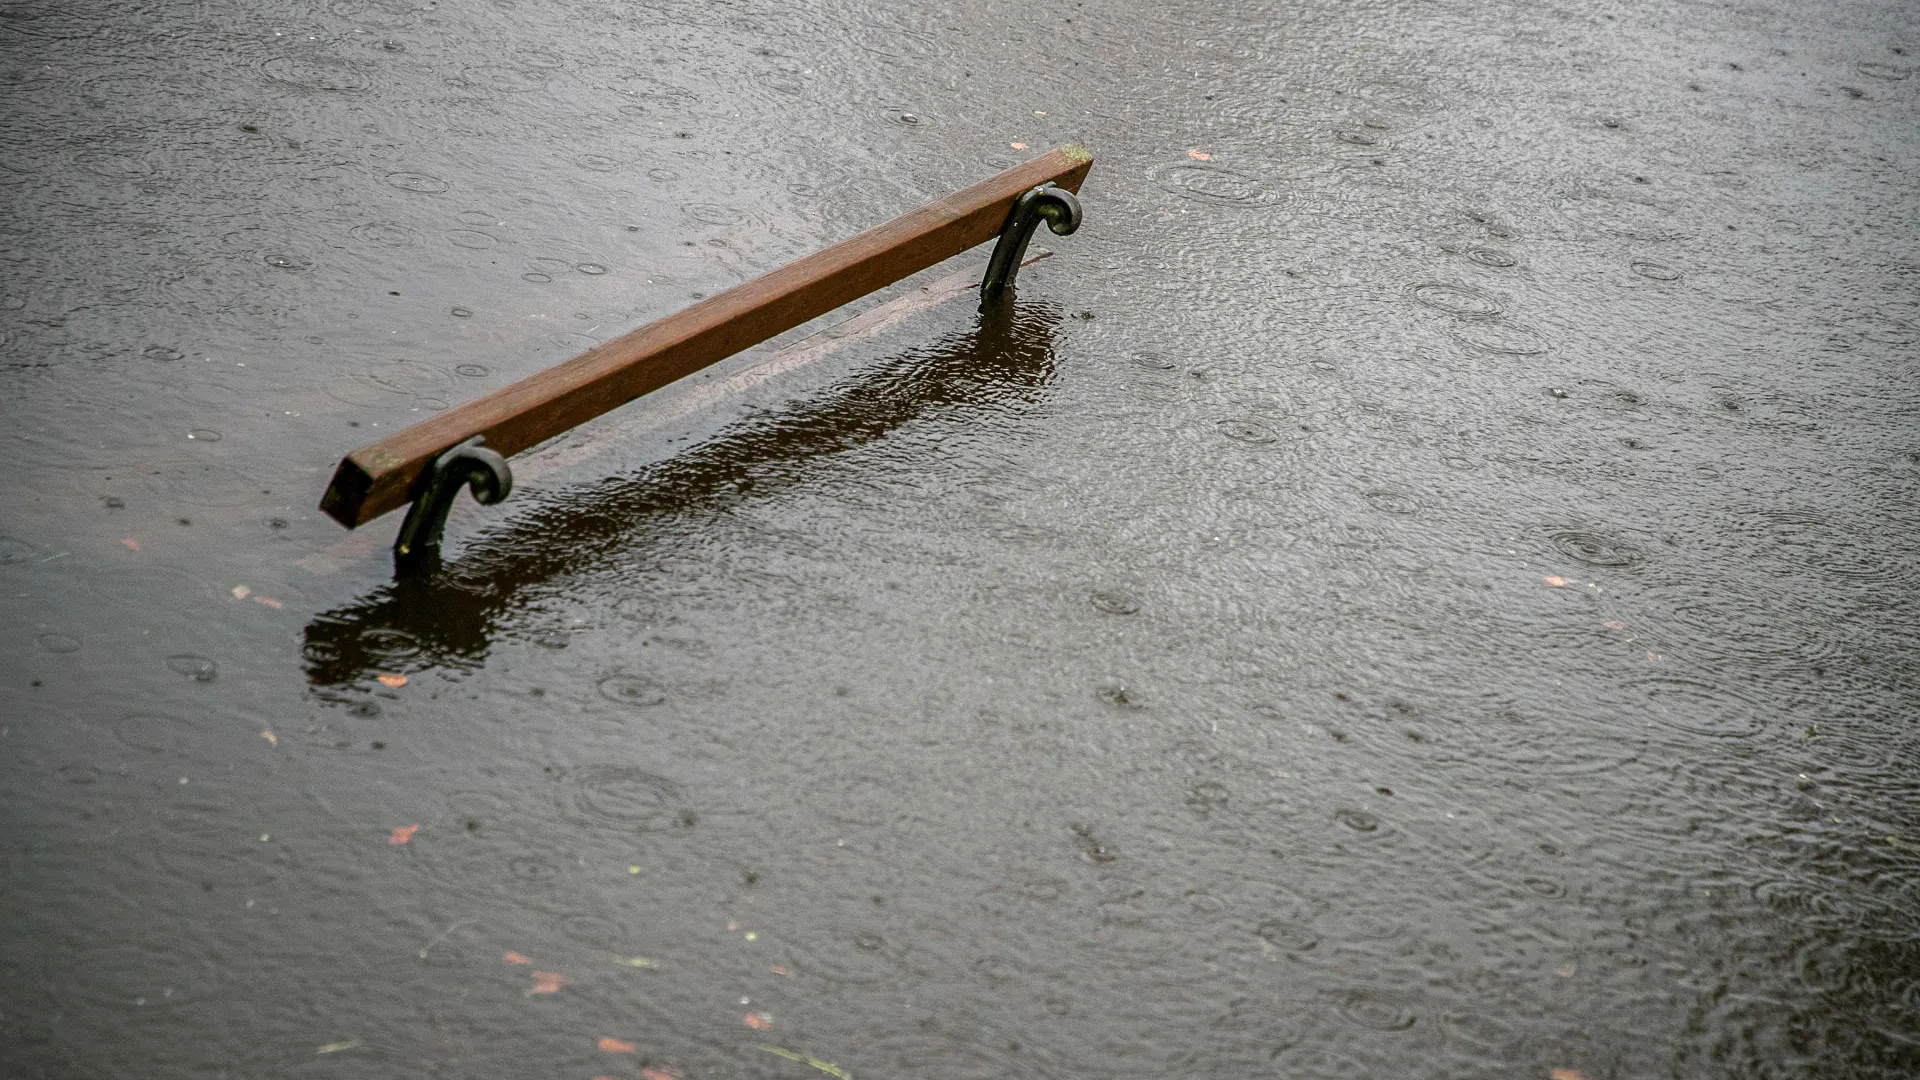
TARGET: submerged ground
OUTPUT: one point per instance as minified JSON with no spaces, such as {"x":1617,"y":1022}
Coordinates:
{"x":1424,"y":585}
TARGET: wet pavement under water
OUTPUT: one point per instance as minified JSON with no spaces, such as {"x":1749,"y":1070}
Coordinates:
{"x":1422,"y":584}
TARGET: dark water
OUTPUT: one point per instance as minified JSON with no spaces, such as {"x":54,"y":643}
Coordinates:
{"x":1422,"y":585}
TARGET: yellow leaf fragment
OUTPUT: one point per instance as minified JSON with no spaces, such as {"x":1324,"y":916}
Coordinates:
{"x":241,"y":592}
{"x":639,"y":962}
{"x":272,"y":739}
{"x":334,"y":1048}
{"x":827,"y":1067}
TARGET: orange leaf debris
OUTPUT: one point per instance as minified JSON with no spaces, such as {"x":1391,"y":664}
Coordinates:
{"x":1567,"y":1074}
{"x":512,"y":957}
{"x":1614,"y":624}
{"x":269,"y":601}
{"x":1018,"y":145}
{"x":1199,"y":155}
{"x":656,"y":1072}
{"x":402,"y":834}
{"x":1557,"y":582}
{"x":616,"y":1046}
{"x":388,"y":679}
{"x":759,"y":1021}
{"x":547,"y":982}
{"x":132,"y":544}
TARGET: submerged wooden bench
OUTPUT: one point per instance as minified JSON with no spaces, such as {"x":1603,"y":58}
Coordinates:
{"x":427,"y":463}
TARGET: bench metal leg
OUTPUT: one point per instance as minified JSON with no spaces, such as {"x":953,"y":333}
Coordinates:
{"x":485,"y":472}
{"x":1055,"y":205}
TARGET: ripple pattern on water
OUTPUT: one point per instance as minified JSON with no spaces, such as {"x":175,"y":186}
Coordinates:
{"x":1359,"y":821}
{"x":980,"y":1053}
{"x":848,"y":954}
{"x":197,"y":668}
{"x":1309,"y":1062}
{"x":1720,"y":626}
{"x":1810,"y":542}
{"x":1391,"y":501}
{"x":57,"y":643}
{"x":1688,"y":704}
{"x":389,"y":645}
{"x":1875,"y":69}
{"x":389,"y":234}
{"x":1288,"y":925}
{"x":1460,"y":301}
{"x":418,"y":183}
{"x":633,"y":691}
{"x":318,"y":72}
{"x":502,"y":79}
{"x":472,"y":239}
{"x":715,"y":214}
{"x":1502,"y":338}
{"x":1249,"y":432}
{"x":1216,"y":184}
{"x":625,"y":797}
{"x":1489,"y":1038}
{"x":1595,"y":549}
{"x":157,"y":733}
{"x":393,"y":383}
{"x":1376,"y":1010}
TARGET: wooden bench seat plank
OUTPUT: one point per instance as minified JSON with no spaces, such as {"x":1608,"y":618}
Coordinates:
{"x":381,"y":476}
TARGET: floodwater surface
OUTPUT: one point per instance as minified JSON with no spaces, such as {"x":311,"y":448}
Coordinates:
{"x":1422,"y":584}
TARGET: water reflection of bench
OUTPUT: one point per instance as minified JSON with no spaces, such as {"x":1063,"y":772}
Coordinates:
{"x":427,"y":463}
{"x":619,"y":535}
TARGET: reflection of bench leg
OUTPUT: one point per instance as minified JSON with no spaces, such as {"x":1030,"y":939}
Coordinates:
{"x":470,"y":463}
{"x":1055,"y":205}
